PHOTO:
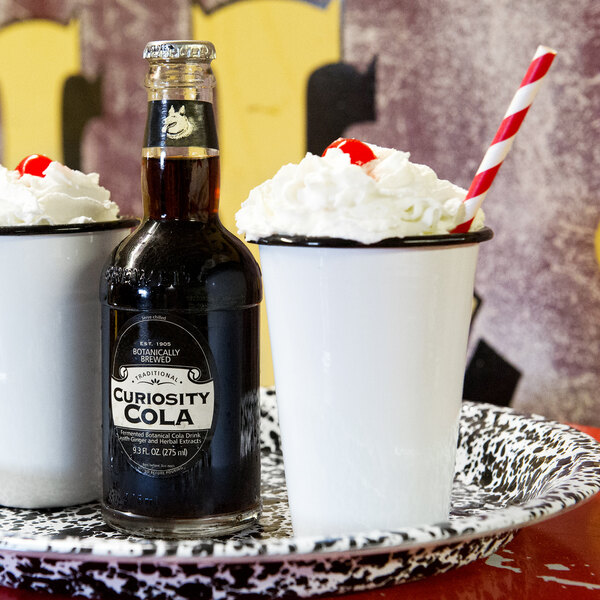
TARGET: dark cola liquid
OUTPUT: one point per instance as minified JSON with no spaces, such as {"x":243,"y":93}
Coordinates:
{"x":180,"y":319}
{"x":180,"y":188}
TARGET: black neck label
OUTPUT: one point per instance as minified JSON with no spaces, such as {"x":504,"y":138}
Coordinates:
{"x":181,"y":123}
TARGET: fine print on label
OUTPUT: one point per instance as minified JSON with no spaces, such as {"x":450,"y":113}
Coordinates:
{"x":162,"y":394}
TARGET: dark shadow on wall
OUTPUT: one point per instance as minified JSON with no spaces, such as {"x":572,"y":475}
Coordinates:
{"x":82,"y":100}
{"x":490,"y":377}
{"x":337,"y":96}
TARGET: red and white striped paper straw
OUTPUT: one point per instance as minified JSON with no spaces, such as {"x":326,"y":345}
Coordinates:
{"x":505,"y":135}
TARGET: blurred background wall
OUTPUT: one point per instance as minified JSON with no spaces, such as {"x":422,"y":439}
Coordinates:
{"x":433,"y":78}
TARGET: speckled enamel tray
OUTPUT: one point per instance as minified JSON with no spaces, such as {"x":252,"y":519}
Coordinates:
{"x":512,"y":470}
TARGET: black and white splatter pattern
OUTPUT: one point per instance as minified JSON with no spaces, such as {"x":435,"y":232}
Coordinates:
{"x":512,"y":470}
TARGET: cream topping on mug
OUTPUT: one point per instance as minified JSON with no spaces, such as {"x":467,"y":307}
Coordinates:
{"x":61,"y":196}
{"x":330,"y":196}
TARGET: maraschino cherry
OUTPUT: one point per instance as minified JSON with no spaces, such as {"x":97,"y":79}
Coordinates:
{"x":34,"y":164}
{"x":358,"y":151}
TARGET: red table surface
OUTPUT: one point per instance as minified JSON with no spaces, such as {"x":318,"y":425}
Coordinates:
{"x":556,"y":559}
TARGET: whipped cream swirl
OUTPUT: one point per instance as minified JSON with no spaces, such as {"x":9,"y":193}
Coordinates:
{"x":330,"y":197}
{"x":62,"y":196}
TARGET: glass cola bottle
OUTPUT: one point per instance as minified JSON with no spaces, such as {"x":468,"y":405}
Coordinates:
{"x":180,"y":327}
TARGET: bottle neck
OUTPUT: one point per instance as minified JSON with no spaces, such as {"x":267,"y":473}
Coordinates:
{"x":180,"y":187}
{"x":180,"y":157}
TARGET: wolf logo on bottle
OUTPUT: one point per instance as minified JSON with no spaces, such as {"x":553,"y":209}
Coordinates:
{"x":177,"y":125}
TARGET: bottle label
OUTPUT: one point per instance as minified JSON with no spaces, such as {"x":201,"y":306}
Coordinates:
{"x":181,"y":123}
{"x":162,"y":394}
